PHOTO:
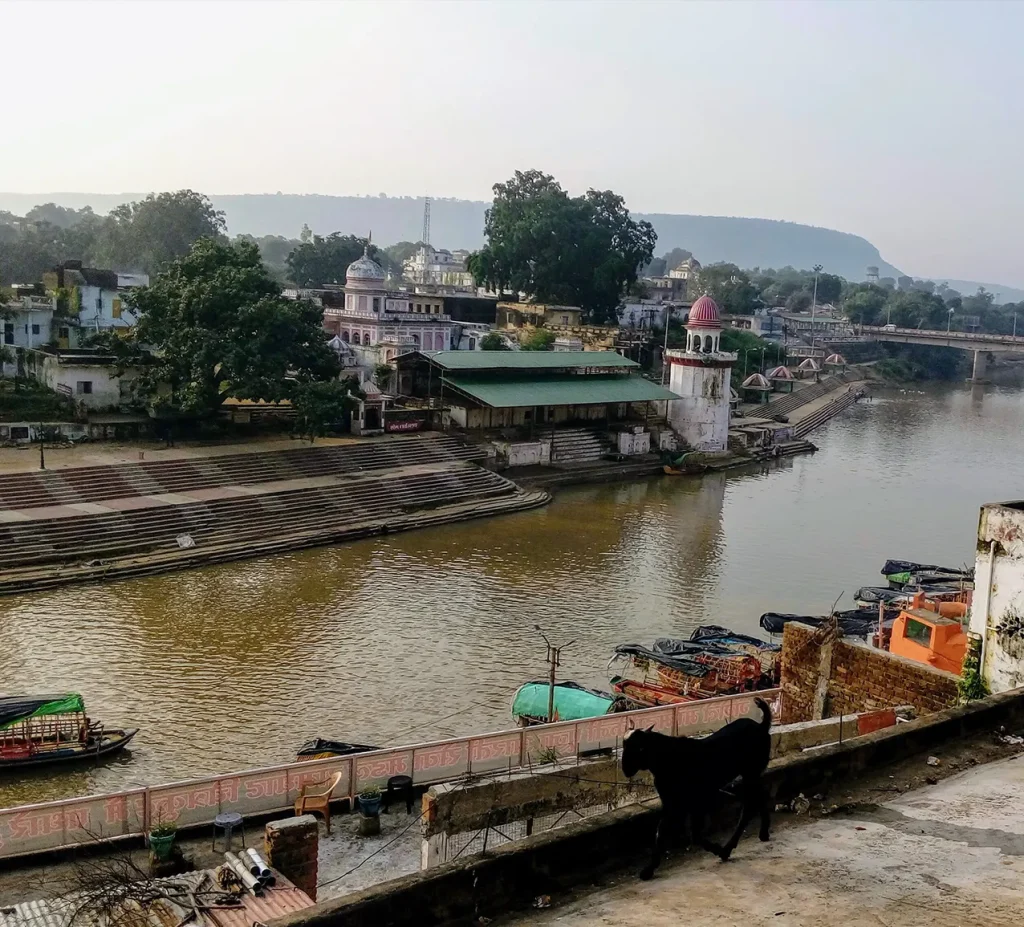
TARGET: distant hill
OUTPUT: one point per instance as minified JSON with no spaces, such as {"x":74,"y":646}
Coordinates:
{"x":459,"y":224}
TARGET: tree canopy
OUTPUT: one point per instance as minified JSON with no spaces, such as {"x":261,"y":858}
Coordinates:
{"x":584,"y":251}
{"x":325,"y":258}
{"x":322,"y":405}
{"x":218,"y":326}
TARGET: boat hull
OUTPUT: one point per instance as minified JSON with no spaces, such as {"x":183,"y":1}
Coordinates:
{"x":113,"y":741}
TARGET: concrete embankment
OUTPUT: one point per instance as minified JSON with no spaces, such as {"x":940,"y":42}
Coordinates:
{"x":512,"y":876}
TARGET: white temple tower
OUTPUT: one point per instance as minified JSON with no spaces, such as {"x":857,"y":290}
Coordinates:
{"x":699,"y":376}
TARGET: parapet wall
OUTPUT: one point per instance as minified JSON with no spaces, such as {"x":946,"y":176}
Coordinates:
{"x":823,"y":677}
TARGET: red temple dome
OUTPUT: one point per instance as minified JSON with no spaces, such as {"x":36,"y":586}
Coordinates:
{"x":704,"y":314}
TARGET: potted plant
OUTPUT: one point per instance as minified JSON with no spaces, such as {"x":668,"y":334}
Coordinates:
{"x":369,"y":802}
{"x":161,"y":838}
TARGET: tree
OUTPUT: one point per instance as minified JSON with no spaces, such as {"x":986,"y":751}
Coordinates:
{"x":798,"y":302}
{"x":675,"y":257}
{"x":218,"y":326}
{"x":492,"y":341}
{"x":156,"y":231}
{"x":865,"y":304}
{"x":584,"y":251}
{"x":540,"y":339}
{"x":730,"y":287}
{"x":63,"y":217}
{"x":830,"y":287}
{"x":322,"y":405}
{"x":325,"y":259}
{"x":401,"y":251}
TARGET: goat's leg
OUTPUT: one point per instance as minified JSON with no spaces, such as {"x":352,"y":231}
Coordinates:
{"x":753,"y":798}
{"x":700,"y":837}
{"x":660,"y":839}
{"x":766,"y":813}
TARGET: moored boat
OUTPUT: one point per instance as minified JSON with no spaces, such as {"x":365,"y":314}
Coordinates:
{"x":319,"y":748}
{"x":572,"y":702}
{"x":43,"y":729}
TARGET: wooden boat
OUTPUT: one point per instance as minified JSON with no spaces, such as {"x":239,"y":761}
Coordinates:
{"x":319,"y":749}
{"x":37,"y":730}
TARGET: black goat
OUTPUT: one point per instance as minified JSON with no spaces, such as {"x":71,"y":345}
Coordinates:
{"x":689,"y":772}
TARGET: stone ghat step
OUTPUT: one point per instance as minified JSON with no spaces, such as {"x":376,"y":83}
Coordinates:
{"x":822,"y":415}
{"x":801,"y":397}
{"x":97,"y":537}
{"x":12,"y":583}
{"x":94,"y":484}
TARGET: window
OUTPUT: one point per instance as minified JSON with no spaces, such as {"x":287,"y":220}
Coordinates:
{"x":35,"y":329}
{"x":419,"y":307}
{"x":565,"y":321}
{"x":362,"y":303}
{"x":350,"y":302}
{"x":63,"y":333}
{"x":8,"y":333}
{"x":376,"y":304}
{"x":345,"y":336}
{"x":919,"y":632}
{"x":356,"y":338}
{"x":83,"y":387}
{"x":115,"y":309}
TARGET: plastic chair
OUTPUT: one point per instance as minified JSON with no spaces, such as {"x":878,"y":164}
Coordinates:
{"x":400,"y":788}
{"x":316,"y":796}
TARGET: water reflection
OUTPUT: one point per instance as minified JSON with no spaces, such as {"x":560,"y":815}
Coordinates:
{"x":427,"y":634}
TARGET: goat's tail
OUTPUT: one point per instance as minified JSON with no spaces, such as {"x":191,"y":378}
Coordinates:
{"x":766,"y":709}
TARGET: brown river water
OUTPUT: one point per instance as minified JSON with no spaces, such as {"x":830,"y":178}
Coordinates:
{"x":425,"y":635}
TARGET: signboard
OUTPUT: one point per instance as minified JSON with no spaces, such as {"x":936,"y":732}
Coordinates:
{"x":408,"y":424}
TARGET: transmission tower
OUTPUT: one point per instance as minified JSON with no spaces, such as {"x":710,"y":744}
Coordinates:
{"x":425,"y":238}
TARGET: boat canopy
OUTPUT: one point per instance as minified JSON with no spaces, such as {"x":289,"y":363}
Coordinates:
{"x":681,"y":663}
{"x":572,"y":701}
{"x":15,"y":708}
{"x":857,"y":622}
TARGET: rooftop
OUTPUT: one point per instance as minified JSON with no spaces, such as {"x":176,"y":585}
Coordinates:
{"x":525,"y":360}
{"x":560,"y":390}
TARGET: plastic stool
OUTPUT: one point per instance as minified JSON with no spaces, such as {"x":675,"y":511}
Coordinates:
{"x":227,"y":822}
{"x":399,"y":787}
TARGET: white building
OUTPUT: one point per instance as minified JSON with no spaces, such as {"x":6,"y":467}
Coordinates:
{"x":687,"y":270}
{"x":89,"y":378}
{"x":997,"y":611}
{"x":439,"y":267}
{"x":699,"y":376}
{"x":95,"y":299}
{"x":27,"y":322}
{"x":380,"y":323}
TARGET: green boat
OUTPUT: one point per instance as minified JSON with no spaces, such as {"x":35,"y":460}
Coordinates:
{"x":573,"y":702}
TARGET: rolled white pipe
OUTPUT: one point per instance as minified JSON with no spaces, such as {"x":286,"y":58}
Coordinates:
{"x":258,"y":868}
{"x":248,"y":879}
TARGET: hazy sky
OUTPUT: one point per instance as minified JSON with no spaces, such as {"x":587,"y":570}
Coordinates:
{"x":899,"y":122}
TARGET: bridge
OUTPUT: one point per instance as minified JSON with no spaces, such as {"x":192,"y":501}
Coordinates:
{"x":980,"y":344}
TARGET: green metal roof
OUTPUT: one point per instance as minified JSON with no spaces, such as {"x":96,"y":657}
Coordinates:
{"x":564,"y":390}
{"x":526,"y":360}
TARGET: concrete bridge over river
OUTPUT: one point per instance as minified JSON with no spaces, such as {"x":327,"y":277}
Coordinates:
{"x":980,"y":344}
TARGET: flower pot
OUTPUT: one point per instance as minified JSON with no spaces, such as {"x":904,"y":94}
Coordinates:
{"x":369,"y":807}
{"x":161,"y":846}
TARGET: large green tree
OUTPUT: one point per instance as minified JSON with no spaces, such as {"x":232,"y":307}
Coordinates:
{"x":322,"y":405}
{"x":584,"y":251}
{"x":325,"y":258}
{"x":218,"y":326}
{"x":148,"y":235}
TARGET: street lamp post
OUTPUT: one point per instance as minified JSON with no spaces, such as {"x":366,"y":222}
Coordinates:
{"x":1015,"y":325}
{"x":554,"y":661}
{"x":949,"y":321}
{"x":814,"y":304}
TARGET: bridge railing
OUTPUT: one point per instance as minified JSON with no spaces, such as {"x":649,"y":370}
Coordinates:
{"x":951,"y":335}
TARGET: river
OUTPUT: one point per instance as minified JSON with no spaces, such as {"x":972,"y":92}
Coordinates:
{"x":426,"y":634}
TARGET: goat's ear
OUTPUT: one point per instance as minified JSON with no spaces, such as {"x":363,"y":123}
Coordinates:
{"x":651,"y":728}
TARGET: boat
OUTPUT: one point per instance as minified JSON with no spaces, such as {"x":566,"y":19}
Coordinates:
{"x":907,"y":572}
{"x":679,"y":465}
{"x":675,"y":671}
{"x":856,"y":622}
{"x":319,"y":748}
{"x":768,"y":654}
{"x":42,"y":729}
{"x":573,"y":702}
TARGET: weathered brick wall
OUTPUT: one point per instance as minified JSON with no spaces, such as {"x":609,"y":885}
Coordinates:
{"x":860,"y":678}
{"x":292,"y":847}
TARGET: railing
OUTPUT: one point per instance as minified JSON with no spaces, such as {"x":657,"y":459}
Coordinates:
{"x":53,"y":825}
{"x":951,"y":335}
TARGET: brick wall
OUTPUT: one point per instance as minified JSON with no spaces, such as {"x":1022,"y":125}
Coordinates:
{"x":292,"y":847}
{"x":860,"y":678}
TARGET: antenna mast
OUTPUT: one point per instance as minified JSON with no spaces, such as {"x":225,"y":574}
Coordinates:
{"x":425,"y":238}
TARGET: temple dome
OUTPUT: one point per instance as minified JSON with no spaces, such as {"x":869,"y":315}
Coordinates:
{"x":364,"y":271}
{"x":704,"y":314}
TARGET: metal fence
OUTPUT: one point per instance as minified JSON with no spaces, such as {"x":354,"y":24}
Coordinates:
{"x":53,"y":825}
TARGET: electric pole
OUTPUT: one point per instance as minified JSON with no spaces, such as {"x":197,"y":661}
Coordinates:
{"x":42,"y":441}
{"x":814,"y":304}
{"x":554,"y":656}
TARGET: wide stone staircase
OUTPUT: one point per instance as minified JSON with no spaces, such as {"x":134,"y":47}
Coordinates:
{"x":92,"y":484}
{"x":800,"y":397}
{"x":578,"y":445}
{"x":344,"y":493}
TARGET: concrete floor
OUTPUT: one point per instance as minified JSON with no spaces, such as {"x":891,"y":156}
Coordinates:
{"x":942,"y":855}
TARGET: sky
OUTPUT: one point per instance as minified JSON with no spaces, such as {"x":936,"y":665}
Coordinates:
{"x":900,"y":122}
